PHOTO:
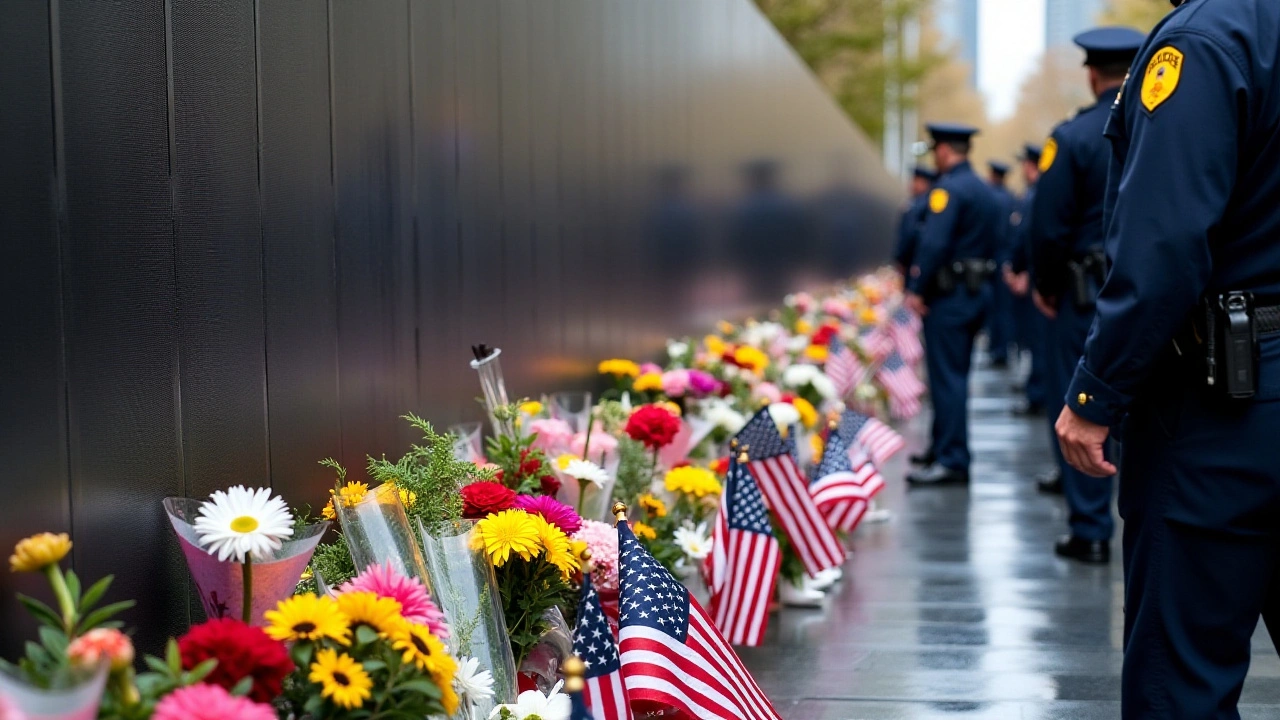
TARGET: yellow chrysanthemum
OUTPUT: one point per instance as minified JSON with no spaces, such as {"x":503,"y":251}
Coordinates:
{"x":803,"y":327}
{"x":690,"y":480}
{"x":531,"y":407}
{"x":351,"y":493}
{"x":555,"y":546}
{"x":39,"y":552}
{"x":422,"y":649}
{"x":714,"y":345}
{"x":341,"y":679}
{"x":408,"y":498}
{"x":751,"y":358}
{"x":648,"y":382}
{"x":653,"y":505}
{"x":808,"y":413}
{"x":869,"y":316}
{"x":618,"y":368}
{"x":817,"y":446}
{"x":817,"y":353}
{"x":308,"y":618}
{"x":366,"y":608}
{"x":725,"y":327}
{"x":510,"y":531}
{"x":328,"y":513}
{"x":644,"y":532}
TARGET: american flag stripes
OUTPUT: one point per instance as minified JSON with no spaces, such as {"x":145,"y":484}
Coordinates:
{"x":604,"y":692}
{"x":672,"y":654}
{"x":844,"y":487}
{"x":902,"y":385}
{"x":876,"y":342}
{"x":786,"y":493}
{"x":744,"y":560}
{"x":879,"y":440}
{"x":904,"y":327}
{"x":843,"y":367}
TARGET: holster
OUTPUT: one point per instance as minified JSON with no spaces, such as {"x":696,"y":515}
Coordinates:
{"x":1085,"y":276}
{"x":1222,"y":340}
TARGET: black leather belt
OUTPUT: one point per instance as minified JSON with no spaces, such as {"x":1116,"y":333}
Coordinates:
{"x":1267,"y":319}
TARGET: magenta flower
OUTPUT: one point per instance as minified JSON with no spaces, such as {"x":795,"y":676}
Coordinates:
{"x":551,"y":510}
{"x":209,"y":702}
{"x":415,"y":603}
{"x":703,"y":383}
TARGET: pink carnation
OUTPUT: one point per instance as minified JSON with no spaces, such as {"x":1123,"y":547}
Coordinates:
{"x":803,"y":302}
{"x":675,"y":383}
{"x":650,"y":368}
{"x":703,"y":383}
{"x":602,"y":541}
{"x":833,"y":306}
{"x":767,"y":391}
{"x":602,"y":443}
{"x":415,"y":603}
{"x":553,"y":435}
{"x":9,"y":710}
{"x":551,"y":510}
{"x":210,"y":702}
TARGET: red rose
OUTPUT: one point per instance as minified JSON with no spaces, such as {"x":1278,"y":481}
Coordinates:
{"x":550,"y":485}
{"x":654,"y":426}
{"x":241,"y":651}
{"x":529,"y":465}
{"x":484,"y":498}
{"x":824,"y":335}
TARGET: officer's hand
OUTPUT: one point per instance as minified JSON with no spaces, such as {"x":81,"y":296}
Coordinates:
{"x":1018,"y":283}
{"x":915,"y":304}
{"x":1046,"y":307}
{"x":1082,"y":443}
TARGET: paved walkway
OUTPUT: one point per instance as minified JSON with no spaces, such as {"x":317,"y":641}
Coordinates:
{"x":957,"y":608}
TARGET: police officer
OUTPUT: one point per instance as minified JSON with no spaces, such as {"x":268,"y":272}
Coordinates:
{"x":1028,"y":323}
{"x":922,"y":179}
{"x":950,"y":286}
{"x":1069,"y":265}
{"x":1000,"y":317}
{"x":1184,"y":355}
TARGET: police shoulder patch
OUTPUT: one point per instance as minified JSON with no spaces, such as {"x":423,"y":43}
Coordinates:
{"x":1048,"y":155}
{"x":1161,"y":77}
{"x":938,"y":200}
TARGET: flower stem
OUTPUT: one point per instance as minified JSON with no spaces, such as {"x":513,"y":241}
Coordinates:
{"x":582,"y":494}
{"x":653,"y":471}
{"x":246,"y":568}
{"x":591,"y":423}
{"x":63,"y":594}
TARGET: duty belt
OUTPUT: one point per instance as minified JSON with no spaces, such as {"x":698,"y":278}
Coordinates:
{"x":1227,"y":328}
{"x":972,"y":273}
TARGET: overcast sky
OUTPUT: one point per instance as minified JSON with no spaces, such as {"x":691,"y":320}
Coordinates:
{"x":1010,"y":41}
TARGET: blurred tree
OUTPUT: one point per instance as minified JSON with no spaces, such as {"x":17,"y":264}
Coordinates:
{"x":1142,"y":14}
{"x":844,"y":42}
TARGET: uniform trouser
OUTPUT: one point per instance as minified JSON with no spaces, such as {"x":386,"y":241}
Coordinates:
{"x":1000,"y":321}
{"x":1035,"y":333}
{"x":949,"y":329}
{"x":1200,"y":496}
{"x":1088,"y":498}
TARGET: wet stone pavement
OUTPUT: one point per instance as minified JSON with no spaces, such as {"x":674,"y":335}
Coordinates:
{"x":958,"y":608}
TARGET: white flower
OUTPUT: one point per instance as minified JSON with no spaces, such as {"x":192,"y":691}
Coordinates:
{"x":694,"y":542}
{"x":784,"y":415}
{"x":724,"y":417}
{"x":731,"y":371}
{"x":677,"y":349}
{"x":473,"y":683}
{"x":532,"y":703}
{"x":586,"y":470}
{"x":240,"y":521}
{"x":761,"y":334}
{"x":798,"y":343}
{"x":823,"y":386}
{"x":797,"y":376}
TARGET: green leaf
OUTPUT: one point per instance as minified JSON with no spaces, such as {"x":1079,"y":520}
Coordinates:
{"x":157,"y":664}
{"x":313,"y":705}
{"x":42,"y":612}
{"x":73,"y":587}
{"x":199,"y":672}
{"x":173,"y":656}
{"x":373,"y":666}
{"x":55,"y":640}
{"x":101,"y":615}
{"x":420,"y":686}
{"x":366,"y":635}
{"x":95,"y":593}
{"x":302,"y":653}
{"x":243,"y":687}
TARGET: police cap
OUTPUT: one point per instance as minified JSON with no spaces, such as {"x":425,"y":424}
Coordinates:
{"x":1031,"y":153}
{"x":950,"y":132}
{"x":925,"y":173}
{"x":998,"y":167}
{"x":1110,"y":45}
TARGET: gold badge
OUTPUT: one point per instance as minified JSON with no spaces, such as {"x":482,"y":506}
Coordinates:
{"x":938,"y":200}
{"x":1161,"y":78}
{"x":1048,"y":155}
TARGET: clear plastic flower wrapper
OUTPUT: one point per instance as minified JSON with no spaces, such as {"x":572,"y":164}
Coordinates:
{"x":377,"y":532}
{"x":78,"y":702}
{"x":545,"y":660}
{"x":488,"y":365}
{"x":468,"y":442}
{"x":573,"y":408}
{"x":220,"y":583}
{"x":465,"y":587}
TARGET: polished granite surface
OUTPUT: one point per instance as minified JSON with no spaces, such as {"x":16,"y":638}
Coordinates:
{"x":957,"y":608}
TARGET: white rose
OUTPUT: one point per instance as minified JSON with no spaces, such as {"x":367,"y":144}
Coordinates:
{"x":677,"y":350}
{"x":784,"y":415}
{"x":797,"y":376}
{"x":824,"y":387}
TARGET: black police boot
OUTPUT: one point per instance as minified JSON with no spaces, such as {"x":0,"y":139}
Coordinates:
{"x":937,"y":474}
{"x":1050,"y":483}
{"x":1093,"y":552}
{"x":925,"y":458}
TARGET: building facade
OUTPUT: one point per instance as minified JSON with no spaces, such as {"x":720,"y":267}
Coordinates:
{"x":958,"y":22}
{"x":1064,"y":19}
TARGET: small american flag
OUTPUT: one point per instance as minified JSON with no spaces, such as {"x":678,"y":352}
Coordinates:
{"x":843,"y":367}
{"x":904,"y":327}
{"x":902,"y":385}
{"x":880,"y":441}
{"x":844,"y":487}
{"x":604,"y":692}
{"x":786,"y":492}
{"x":672,"y":654}
{"x":744,"y":560}
{"x":876,"y":342}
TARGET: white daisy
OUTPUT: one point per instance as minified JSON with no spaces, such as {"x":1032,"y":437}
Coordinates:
{"x":473,"y":683}
{"x":532,"y":703}
{"x":241,"y":521}
{"x":784,"y":416}
{"x":677,"y":349}
{"x":724,"y":417}
{"x":694,"y":542}
{"x":797,"y":376}
{"x":586,"y":470}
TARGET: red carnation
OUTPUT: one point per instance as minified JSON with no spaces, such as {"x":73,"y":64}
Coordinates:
{"x":241,"y":651}
{"x":481,"y":499}
{"x":529,"y":465}
{"x":550,"y":485}
{"x":824,"y":335}
{"x":654,"y":426}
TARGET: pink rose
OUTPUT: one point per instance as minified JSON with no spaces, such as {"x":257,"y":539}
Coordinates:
{"x":767,"y":391}
{"x":553,"y":435}
{"x":675,"y":383}
{"x":602,"y":443}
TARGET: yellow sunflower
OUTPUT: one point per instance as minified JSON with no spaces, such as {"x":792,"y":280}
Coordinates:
{"x":644,"y":532}
{"x":308,"y":618}
{"x":424,"y":650}
{"x":691,"y":480}
{"x":382,"y":614}
{"x":504,"y":533}
{"x":555,"y":546}
{"x":448,"y":696}
{"x":751,"y":358}
{"x":808,"y":413}
{"x":341,"y":679}
{"x":653,"y":505}
{"x":648,"y":382}
{"x":618,"y":368}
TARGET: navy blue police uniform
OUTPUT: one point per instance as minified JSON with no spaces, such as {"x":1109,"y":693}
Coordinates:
{"x":1000,"y":317}
{"x":1193,"y":216}
{"x":952,"y":273}
{"x":1070,"y":265}
{"x":1030,"y":327}
{"x":912,"y":222}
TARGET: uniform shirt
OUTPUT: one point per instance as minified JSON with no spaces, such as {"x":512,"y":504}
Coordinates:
{"x":963,"y":223}
{"x":1008,"y":208}
{"x":1194,"y":195}
{"x":1020,"y":255}
{"x":909,"y":230}
{"x":1067,"y":217}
